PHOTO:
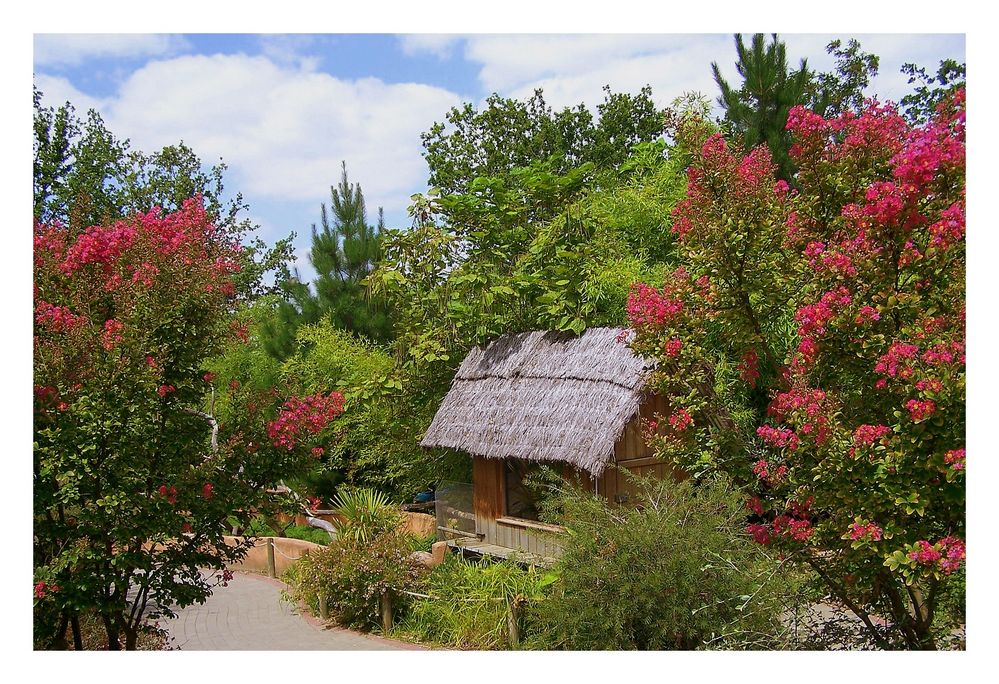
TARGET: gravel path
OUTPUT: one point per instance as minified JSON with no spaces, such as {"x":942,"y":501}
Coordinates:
{"x":249,"y":615}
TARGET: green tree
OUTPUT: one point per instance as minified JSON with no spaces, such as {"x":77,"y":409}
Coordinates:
{"x":344,"y":251}
{"x":509,"y":133}
{"x":134,"y":478}
{"x":85,"y":176}
{"x":829,"y":324}
{"x":757,"y":111}
{"x":842,"y":90}
{"x":920,"y":105}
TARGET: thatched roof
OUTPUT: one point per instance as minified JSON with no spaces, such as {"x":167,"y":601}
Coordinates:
{"x":543,"y":396}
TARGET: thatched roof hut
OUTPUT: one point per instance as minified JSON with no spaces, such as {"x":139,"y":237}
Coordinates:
{"x":543,"y":396}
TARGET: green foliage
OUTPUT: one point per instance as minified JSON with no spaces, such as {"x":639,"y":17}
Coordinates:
{"x":84,"y":176}
{"x":258,"y":527}
{"x":674,"y":571}
{"x":509,"y":134}
{"x":757,"y":112}
{"x":527,"y":250}
{"x":842,"y":91}
{"x":468,"y":604}
{"x":380,"y":430}
{"x":366,"y":514}
{"x":920,"y":105}
{"x":353,"y":575}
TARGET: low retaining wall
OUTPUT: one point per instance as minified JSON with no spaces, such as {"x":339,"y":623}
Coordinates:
{"x":286,"y":552}
{"x":419,"y":524}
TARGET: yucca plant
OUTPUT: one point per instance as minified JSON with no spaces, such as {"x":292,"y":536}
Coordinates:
{"x":364,"y":514}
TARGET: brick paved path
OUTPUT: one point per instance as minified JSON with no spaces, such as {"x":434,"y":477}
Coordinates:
{"x":249,"y":615}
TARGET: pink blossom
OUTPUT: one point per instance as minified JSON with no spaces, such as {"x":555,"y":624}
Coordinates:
{"x":647,"y":307}
{"x":920,"y":410}
{"x":681,"y":420}
{"x":866,"y":435}
{"x":868,"y":530}
{"x":112,"y":336}
{"x":955,"y":459}
{"x":778,"y":437}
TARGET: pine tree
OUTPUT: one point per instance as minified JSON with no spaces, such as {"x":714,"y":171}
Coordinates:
{"x":757,"y":112}
{"x":344,"y":251}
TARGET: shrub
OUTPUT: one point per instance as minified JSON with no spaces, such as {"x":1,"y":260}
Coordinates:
{"x":468,"y":607}
{"x":366,"y":514}
{"x":353,"y":575}
{"x":673,"y":572}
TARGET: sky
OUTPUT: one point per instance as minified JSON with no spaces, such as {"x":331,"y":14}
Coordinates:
{"x":282,"y":111}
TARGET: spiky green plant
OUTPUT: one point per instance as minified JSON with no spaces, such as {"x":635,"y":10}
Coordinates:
{"x":364,"y":514}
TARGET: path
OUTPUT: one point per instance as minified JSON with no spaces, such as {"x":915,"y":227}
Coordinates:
{"x":249,"y":615}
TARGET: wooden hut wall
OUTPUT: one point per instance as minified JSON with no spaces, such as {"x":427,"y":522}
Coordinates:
{"x":489,"y":503}
{"x":632,"y":453}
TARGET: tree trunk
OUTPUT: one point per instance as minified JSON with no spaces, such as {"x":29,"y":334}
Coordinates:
{"x":111,"y":627}
{"x":74,"y":621}
{"x":131,"y":637}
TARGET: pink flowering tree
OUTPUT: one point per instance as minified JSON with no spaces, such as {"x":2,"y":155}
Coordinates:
{"x":135,"y":481}
{"x":812,"y":345}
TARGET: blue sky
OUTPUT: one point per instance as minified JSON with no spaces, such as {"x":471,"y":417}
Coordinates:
{"x":283,"y":110}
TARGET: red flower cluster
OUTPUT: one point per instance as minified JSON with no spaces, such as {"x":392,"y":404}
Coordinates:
{"x":955,"y":459}
{"x":813,"y":317}
{"x":43,"y":588}
{"x":755,"y":505}
{"x":920,"y":410}
{"x":112,"y":337}
{"x":169,"y":493}
{"x":673,"y":346}
{"x":778,"y":437}
{"x":866,"y":435}
{"x":303,"y":415}
{"x":786,"y":403}
{"x":681,"y":420}
{"x":865,"y":530}
{"x":866,"y":315}
{"x":164,"y":390}
{"x":57,"y":318}
{"x":208,"y":491}
{"x":647,"y":307}
{"x":892,"y":363}
{"x":950,"y":228}
{"x":760,"y":533}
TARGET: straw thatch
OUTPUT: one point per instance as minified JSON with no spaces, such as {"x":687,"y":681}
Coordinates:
{"x":543,"y":396}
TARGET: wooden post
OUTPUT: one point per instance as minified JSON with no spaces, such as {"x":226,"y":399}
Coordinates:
{"x":513,"y":621}
{"x":271,"y":568}
{"x":386,"y":611}
{"x":324,"y":608}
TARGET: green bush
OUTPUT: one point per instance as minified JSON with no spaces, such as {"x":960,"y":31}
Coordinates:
{"x":365,"y":514}
{"x":675,"y":571}
{"x":468,"y":607}
{"x":353,"y":575}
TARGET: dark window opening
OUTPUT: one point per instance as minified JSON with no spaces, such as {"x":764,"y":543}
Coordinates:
{"x":521,"y":500}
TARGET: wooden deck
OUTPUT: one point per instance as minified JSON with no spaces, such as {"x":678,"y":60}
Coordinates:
{"x":483,"y":549}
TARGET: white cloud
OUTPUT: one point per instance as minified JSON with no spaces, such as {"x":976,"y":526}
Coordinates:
{"x":439,"y":44}
{"x":74,"y":48}
{"x":282,"y":129}
{"x":57,"y":90}
{"x":573,"y":68}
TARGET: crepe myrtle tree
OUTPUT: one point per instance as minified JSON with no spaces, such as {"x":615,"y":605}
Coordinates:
{"x":829,"y":325}
{"x":134,"y":479}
